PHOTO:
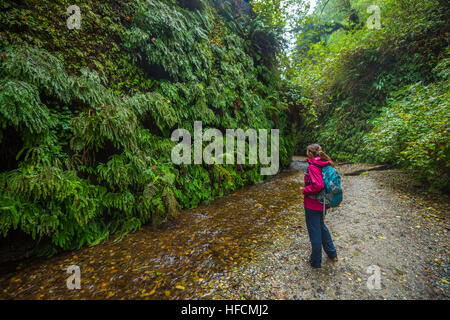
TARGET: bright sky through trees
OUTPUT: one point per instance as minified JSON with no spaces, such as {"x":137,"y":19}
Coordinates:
{"x":291,"y":23}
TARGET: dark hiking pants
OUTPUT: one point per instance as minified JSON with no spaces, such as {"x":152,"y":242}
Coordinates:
{"x":319,"y":237}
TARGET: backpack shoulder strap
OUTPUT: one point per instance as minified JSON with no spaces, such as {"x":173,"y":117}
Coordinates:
{"x":307,"y":168}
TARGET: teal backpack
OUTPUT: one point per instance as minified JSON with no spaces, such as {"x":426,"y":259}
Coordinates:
{"x":331,"y":194}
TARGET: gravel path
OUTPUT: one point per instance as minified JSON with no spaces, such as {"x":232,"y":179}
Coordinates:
{"x":401,"y":232}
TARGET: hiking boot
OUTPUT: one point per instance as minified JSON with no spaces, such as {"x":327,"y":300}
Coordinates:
{"x":335,"y":259}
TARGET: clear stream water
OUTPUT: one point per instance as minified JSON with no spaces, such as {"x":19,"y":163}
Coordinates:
{"x":182,"y":260}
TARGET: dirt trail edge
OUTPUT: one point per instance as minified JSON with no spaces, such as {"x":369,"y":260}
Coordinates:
{"x":381,"y":223}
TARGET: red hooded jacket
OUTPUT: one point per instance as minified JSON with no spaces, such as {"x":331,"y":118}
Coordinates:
{"x":314,"y":183}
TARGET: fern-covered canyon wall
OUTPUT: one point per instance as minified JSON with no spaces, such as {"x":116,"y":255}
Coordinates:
{"x":86,"y":114}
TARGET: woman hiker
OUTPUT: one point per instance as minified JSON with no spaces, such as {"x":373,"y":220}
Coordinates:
{"x":317,"y":230}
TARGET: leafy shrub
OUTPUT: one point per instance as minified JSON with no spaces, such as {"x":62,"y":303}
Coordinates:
{"x":414,"y":131}
{"x":350,"y":75}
